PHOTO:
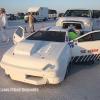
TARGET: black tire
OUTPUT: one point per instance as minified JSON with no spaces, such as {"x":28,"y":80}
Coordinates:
{"x":67,"y":71}
{"x":35,"y":20}
{"x":25,"y":21}
{"x":44,"y":19}
{"x":91,"y":62}
{"x":54,"y":18}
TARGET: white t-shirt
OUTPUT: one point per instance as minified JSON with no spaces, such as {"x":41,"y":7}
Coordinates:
{"x":3,"y":20}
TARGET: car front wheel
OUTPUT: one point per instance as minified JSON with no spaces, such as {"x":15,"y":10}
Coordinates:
{"x":67,"y":71}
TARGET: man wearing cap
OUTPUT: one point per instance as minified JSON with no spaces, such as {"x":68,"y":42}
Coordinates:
{"x":3,"y":25}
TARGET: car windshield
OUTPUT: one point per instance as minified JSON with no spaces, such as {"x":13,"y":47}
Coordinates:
{"x":54,"y":36}
{"x":77,"y":13}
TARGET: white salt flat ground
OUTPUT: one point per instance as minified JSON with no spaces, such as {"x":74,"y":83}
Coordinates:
{"x":83,"y":82}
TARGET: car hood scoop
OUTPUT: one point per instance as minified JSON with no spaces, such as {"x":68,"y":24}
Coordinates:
{"x":27,"y":48}
{"x":38,"y":48}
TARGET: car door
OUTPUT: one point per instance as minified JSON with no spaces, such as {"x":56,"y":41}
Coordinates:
{"x":86,"y":47}
{"x":18,"y":35}
{"x":96,"y":20}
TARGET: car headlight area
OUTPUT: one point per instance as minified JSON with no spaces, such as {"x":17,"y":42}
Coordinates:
{"x":37,"y":77}
{"x":87,"y":24}
{"x":58,"y":23}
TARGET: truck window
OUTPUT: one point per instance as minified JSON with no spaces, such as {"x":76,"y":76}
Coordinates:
{"x":77,"y":13}
{"x":96,"y":14}
{"x":96,"y":36}
{"x":85,"y":38}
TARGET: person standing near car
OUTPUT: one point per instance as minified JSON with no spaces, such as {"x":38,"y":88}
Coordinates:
{"x":3,"y":25}
{"x":31,"y":22}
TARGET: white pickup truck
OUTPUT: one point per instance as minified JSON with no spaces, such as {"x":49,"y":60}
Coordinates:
{"x":90,"y":19}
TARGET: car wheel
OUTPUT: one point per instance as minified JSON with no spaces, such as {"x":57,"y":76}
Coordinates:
{"x":54,"y":18}
{"x":91,"y":62}
{"x":34,"y":20}
{"x":67,"y":71}
{"x":25,"y":21}
{"x":44,"y":19}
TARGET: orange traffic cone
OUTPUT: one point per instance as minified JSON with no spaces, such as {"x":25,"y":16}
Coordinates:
{"x":42,"y":25}
{"x":25,"y":31}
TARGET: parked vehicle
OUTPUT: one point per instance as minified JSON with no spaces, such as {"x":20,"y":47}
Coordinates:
{"x":17,"y":17}
{"x":44,"y":57}
{"x":60,"y":14}
{"x":52,"y":14}
{"x":39,"y":13}
{"x":41,"y":58}
{"x":12,"y":17}
{"x":90,"y":18}
{"x":21,"y":15}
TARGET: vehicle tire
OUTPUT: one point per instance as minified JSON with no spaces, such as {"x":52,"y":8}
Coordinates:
{"x":67,"y":71}
{"x":91,"y":62}
{"x":54,"y":18}
{"x":44,"y":19}
{"x":35,"y":20}
{"x":25,"y":21}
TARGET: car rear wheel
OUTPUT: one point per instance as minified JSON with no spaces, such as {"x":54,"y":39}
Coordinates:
{"x":54,"y":18}
{"x":91,"y":62}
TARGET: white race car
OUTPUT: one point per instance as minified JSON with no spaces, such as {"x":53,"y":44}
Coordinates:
{"x":44,"y":57}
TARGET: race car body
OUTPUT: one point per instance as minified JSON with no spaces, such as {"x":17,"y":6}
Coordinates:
{"x":41,"y":58}
{"x":86,"y":48}
{"x":44,"y":56}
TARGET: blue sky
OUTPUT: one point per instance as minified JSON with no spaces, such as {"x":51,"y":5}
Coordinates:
{"x":14,"y":6}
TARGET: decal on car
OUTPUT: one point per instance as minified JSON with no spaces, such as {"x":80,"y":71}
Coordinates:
{"x":72,"y":43}
{"x":67,"y":39}
{"x":98,"y":22}
{"x":86,"y":58}
{"x":89,"y":51}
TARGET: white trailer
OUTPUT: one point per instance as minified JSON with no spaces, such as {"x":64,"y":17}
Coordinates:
{"x":39,"y":13}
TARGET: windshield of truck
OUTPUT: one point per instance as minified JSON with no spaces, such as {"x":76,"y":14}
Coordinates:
{"x":54,"y":36}
{"x":77,"y":13}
